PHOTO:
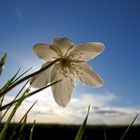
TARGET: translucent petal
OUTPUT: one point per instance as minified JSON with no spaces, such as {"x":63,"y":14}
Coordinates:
{"x":63,"y":43}
{"x":87,"y":51}
{"x":56,"y":49}
{"x":44,"y":52}
{"x":62,"y":91}
{"x":42,"y":79}
{"x":87,"y":76}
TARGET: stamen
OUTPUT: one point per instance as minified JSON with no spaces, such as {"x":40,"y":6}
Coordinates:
{"x":75,"y":55}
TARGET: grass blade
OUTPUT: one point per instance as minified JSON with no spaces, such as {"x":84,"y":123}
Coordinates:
{"x":4,"y":130}
{"x":2,"y":62}
{"x":22,"y":120}
{"x":105,"y":135}
{"x":22,"y":75}
{"x":124,"y":134}
{"x":31,"y":132}
{"x":1,"y":101}
{"x":8,"y":107}
{"x":27,"y":112}
{"x":9,"y":82}
{"x":20,"y":135}
{"x":82,"y":127}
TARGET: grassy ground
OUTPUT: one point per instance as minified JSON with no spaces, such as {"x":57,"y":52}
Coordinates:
{"x":68,"y":132}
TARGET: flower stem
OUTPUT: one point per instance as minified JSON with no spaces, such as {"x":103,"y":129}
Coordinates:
{"x":28,"y":95}
{"x":3,"y":92}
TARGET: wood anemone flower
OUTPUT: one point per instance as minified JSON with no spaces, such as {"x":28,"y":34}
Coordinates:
{"x":70,"y":68}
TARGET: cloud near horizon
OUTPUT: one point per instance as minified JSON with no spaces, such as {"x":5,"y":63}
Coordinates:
{"x":102,"y":110}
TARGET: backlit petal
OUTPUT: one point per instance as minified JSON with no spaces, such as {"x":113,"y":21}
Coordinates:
{"x":62,"y":91}
{"x":44,"y":52}
{"x":63,"y":43}
{"x":87,"y":76}
{"x":87,"y":51}
{"x":42,"y":79}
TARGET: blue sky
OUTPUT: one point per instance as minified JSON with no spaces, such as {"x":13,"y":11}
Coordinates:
{"x":24,"y":23}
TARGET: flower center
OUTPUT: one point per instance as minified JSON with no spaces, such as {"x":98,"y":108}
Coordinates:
{"x":65,"y":62}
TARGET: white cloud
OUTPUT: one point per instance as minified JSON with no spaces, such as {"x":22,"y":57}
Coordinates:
{"x":101,"y":112}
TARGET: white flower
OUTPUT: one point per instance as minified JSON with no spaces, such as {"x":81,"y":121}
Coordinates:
{"x":70,"y":68}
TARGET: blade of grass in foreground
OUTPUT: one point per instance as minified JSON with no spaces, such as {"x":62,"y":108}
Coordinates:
{"x":31,"y":132}
{"x":20,"y":135}
{"x":124,"y":134}
{"x":22,"y":120}
{"x":9,"y":82}
{"x":4,"y":130}
{"x":2,"y":62}
{"x":8,"y":107}
{"x":82,"y":127}
{"x":105,"y":135}
{"x":27,"y":112}
{"x":1,"y":102}
{"x":21,"y":75}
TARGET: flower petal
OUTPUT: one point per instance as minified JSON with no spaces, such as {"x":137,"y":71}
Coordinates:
{"x":87,"y":76}
{"x":63,"y":43}
{"x":62,"y":91}
{"x":42,"y":79}
{"x":88,"y":51}
{"x":44,"y":52}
